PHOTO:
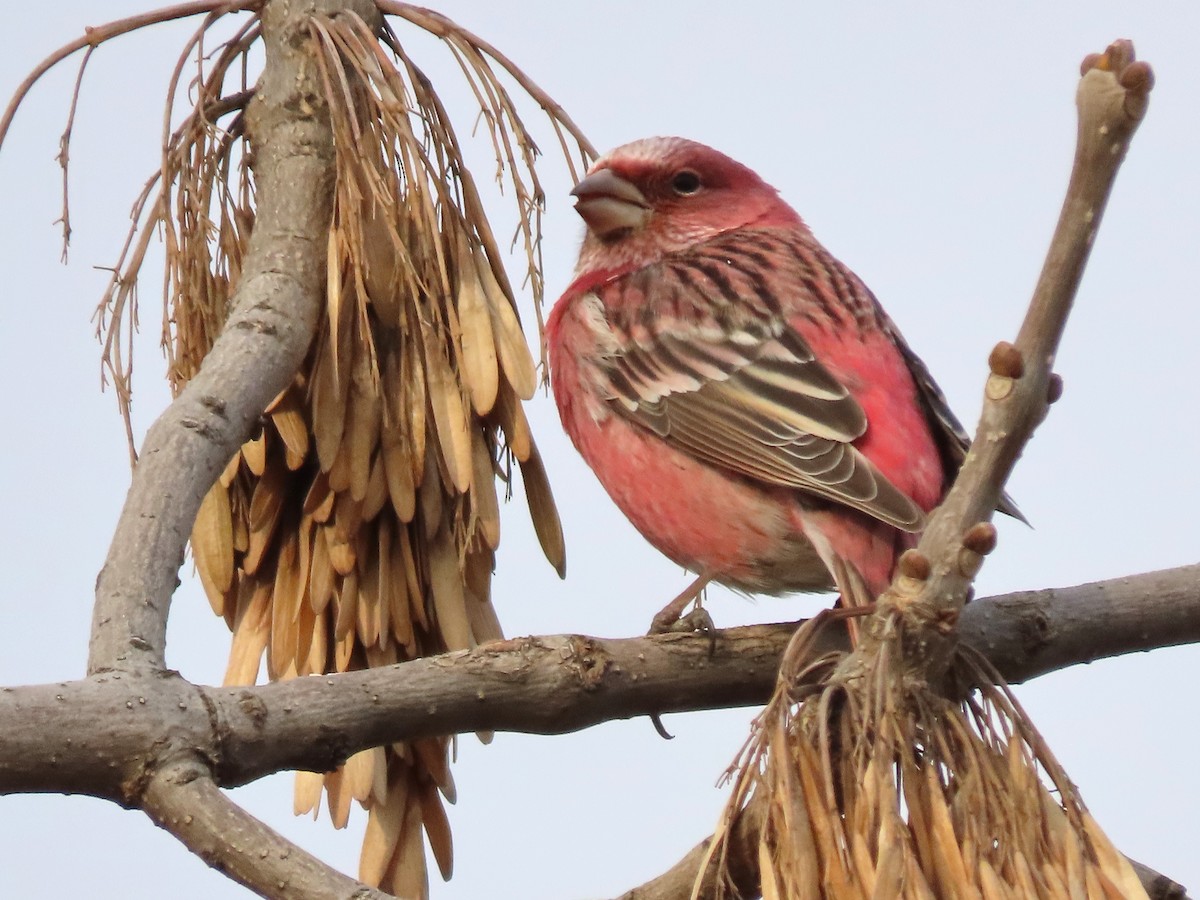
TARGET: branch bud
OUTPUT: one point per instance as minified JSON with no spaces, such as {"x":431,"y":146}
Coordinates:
{"x":1138,"y":77}
{"x":914,"y":564}
{"x":1091,"y":61}
{"x":980,"y":538}
{"x":1054,"y":388}
{"x":1005,"y":360}
{"x":1115,"y":58}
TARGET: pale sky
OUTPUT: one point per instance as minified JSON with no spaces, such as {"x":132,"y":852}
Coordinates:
{"x":926,"y":144}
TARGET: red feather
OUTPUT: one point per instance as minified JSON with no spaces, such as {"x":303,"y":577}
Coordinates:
{"x":737,"y":390}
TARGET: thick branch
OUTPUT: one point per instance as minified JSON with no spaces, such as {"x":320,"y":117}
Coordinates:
{"x":272,"y":320}
{"x":270,"y":327}
{"x":183,"y":799}
{"x":542,"y":685}
{"x":1031,"y":633}
{"x":565,"y":683}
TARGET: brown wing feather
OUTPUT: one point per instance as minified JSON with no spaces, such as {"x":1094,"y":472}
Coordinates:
{"x":741,"y":390}
{"x":720,"y":374}
{"x":952,"y":439}
{"x":831,"y":469}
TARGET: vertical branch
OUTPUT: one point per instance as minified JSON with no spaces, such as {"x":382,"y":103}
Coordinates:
{"x":270,"y":327}
{"x":1112,"y":99}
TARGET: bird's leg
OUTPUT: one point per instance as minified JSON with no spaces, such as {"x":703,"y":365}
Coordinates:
{"x":671,"y":618}
{"x":853,"y":593}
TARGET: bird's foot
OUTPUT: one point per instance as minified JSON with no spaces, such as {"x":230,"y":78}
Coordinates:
{"x":697,"y":620}
{"x":671,"y":618}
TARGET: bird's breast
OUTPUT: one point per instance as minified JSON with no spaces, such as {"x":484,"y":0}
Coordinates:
{"x":704,"y":519}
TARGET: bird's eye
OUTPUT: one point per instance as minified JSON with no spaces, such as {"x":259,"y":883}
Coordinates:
{"x":685,"y":183}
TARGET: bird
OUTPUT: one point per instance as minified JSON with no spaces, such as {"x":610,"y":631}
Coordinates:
{"x":737,"y":390}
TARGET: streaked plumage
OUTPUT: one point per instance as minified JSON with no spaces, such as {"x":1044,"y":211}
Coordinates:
{"x":737,"y":390}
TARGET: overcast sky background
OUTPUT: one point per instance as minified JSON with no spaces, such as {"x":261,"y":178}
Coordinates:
{"x":927,"y":145}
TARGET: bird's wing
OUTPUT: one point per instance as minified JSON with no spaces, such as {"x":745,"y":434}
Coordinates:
{"x":952,"y":439}
{"x":734,"y":385}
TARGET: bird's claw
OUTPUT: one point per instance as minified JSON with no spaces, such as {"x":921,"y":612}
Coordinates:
{"x":700,"y":622}
{"x":664,"y":622}
{"x":656,"y":721}
{"x":697,"y":620}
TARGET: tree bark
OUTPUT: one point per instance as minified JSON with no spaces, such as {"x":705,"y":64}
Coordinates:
{"x":106,"y":734}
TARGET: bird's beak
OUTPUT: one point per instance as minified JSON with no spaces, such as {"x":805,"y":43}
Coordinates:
{"x":610,"y":204}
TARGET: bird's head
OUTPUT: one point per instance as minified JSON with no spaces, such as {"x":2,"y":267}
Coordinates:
{"x":661,"y":195}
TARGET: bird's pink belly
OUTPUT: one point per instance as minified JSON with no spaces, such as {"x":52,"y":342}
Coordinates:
{"x":702,"y":519}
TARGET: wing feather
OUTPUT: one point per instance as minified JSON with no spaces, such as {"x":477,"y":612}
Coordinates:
{"x":721,"y":373}
{"x":831,"y":469}
{"x":952,"y":437}
{"x":737,"y":387}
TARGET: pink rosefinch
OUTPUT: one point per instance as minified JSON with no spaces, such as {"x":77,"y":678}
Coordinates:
{"x":739,"y":392}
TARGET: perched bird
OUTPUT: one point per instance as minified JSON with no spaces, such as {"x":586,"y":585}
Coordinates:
{"x":737,"y":390}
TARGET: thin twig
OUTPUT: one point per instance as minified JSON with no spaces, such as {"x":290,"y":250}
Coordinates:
{"x":437,"y":24}
{"x":64,"y":153}
{"x":95,"y":36}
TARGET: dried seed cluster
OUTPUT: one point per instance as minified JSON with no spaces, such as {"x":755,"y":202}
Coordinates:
{"x":876,"y":786}
{"x":359,"y":526}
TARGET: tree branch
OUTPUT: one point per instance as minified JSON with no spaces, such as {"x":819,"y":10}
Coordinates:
{"x":1031,"y":633}
{"x":183,"y":799}
{"x":1112,"y":99}
{"x":551,"y":685}
{"x":95,"y":36}
{"x":52,"y":737}
{"x":271,"y":324}
{"x":270,"y":327}
{"x":741,"y":865}
{"x":919,"y":614}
